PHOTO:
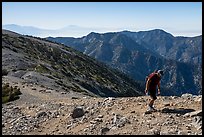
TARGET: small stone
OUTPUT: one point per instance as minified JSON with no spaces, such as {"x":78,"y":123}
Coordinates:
{"x":104,"y":130}
{"x":132,"y":111}
{"x":148,"y":112}
{"x":41,"y":114}
{"x":93,"y":122}
{"x":75,"y":98}
{"x":100,"y":116}
{"x":98,"y":120}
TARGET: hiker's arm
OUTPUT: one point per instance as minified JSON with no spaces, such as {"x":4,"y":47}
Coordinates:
{"x":159,"y":88}
{"x":147,"y":85}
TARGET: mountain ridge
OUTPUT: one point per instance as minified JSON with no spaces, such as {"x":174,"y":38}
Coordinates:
{"x":76,"y":31}
{"x":109,"y":48}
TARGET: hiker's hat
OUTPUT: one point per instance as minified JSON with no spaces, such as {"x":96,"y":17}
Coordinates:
{"x":161,"y":72}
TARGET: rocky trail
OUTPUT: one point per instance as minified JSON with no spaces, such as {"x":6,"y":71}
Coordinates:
{"x":42,"y":110}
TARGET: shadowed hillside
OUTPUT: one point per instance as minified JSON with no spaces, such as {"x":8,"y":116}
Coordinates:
{"x":38,"y":61}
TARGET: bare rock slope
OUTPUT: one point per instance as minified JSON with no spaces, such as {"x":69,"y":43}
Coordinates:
{"x":42,"y":111}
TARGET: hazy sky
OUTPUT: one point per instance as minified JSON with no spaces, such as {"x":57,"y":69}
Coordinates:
{"x":177,"y":18}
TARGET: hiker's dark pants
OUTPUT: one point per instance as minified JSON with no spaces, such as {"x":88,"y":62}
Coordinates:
{"x":152,"y":93}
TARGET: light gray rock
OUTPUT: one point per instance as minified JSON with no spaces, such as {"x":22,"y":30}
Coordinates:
{"x":187,"y":95}
{"x":41,"y":114}
{"x":194,"y":113}
{"x":197,"y":122}
{"x":120,"y":121}
{"x":100,"y":116}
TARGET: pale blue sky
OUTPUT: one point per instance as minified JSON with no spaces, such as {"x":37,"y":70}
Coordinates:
{"x":177,"y":18}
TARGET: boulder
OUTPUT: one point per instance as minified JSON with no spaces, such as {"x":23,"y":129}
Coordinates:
{"x":77,"y":112}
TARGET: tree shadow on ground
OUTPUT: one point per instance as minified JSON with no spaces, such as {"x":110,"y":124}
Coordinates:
{"x":181,"y":111}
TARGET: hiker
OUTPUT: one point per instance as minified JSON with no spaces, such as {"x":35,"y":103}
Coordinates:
{"x":153,"y":80}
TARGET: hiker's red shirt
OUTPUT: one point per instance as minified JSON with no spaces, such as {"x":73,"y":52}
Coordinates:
{"x":154,"y":80}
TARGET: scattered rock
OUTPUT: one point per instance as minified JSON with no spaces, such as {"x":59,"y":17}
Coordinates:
{"x":42,"y":90}
{"x":132,"y":111}
{"x":167,"y":104}
{"x":104,"y":130}
{"x":75,"y":98}
{"x":147,"y":112}
{"x":48,"y":91}
{"x":33,"y":88}
{"x":77,"y":112}
{"x":41,"y":114}
{"x":194,"y":113}
{"x":101,"y":117}
{"x":187,"y":95}
{"x":120,"y":121}
{"x":197,"y":122}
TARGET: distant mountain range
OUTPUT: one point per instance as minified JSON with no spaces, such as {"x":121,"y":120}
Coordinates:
{"x":27,"y":30}
{"x":71,"y":30}
{"x":139,"y":53}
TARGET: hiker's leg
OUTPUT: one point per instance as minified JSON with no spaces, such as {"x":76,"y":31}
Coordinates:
{"x":153,"y":97}
{"x":151,"y":102}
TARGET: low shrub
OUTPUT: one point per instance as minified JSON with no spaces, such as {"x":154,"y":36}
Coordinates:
{"x":9,"y":93}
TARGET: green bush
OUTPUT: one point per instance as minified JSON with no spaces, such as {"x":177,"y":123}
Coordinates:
{"x":9,"y":93}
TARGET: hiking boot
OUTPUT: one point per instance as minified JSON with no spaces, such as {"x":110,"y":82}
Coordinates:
{"x":151,"y":108}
